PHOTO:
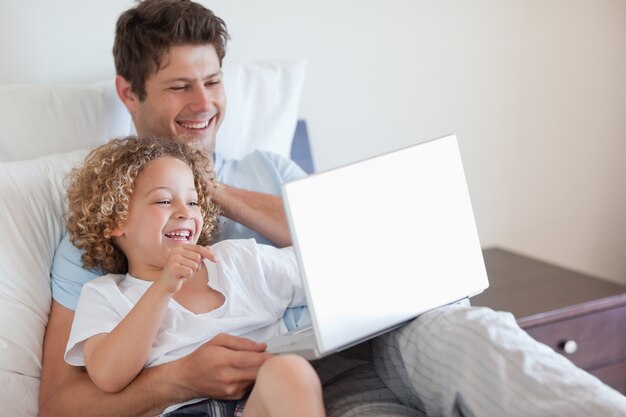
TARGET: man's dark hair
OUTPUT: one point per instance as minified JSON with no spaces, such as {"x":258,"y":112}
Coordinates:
{"x":144,"y":34}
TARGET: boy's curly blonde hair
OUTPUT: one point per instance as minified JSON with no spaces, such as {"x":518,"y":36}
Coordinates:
{"x":100,"y":191}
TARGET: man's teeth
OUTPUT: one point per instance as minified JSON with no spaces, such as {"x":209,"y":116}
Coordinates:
{"x":200,"y":125}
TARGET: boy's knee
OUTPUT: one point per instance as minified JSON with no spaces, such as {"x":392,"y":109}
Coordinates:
{"x":292,"y":370}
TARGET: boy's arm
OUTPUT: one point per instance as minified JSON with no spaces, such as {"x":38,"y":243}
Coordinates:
{"x":68,"y":390}
{"x":114,"y":359}
{"x":222,"y":368}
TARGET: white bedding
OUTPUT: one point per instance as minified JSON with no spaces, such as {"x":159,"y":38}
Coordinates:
{"x":19,"y":394}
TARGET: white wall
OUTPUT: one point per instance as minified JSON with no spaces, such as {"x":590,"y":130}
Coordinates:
{"x":535,"y":91}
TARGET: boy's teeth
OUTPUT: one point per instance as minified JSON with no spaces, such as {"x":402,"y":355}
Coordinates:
{"x":182,"y":233}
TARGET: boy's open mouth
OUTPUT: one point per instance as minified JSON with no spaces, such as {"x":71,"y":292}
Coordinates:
{"x":180,"y":234}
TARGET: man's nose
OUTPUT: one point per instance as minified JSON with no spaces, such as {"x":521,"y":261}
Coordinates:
{"x":202,"y":99}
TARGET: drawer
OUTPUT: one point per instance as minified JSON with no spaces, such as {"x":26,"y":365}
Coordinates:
{"x":613,"y":375}
{"x":600,"y":337}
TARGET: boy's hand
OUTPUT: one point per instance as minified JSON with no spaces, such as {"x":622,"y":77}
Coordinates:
{"x":182,"y":263}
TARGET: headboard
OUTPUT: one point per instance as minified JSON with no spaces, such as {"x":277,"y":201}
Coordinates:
{"x":301,"y":148}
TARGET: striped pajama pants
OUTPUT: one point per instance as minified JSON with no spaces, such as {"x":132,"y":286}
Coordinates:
{"x":454,"y":361}
{"x":461,"y":361}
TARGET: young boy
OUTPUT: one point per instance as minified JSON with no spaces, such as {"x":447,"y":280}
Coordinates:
{"x":140,"y":210}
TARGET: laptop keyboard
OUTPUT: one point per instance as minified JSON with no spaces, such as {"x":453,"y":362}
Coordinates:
{"x":302,"y":336}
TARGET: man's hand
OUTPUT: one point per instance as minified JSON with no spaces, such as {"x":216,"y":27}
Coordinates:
{"x":222,"y":368}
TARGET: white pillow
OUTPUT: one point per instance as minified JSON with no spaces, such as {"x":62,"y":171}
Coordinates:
{"x":38,"y":120}
{"x":262,"y":107}
{"x":19,"y":395}
{"x":33,"y":206}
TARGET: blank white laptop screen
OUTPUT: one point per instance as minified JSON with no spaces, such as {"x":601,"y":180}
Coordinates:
{"x":382,"y":240}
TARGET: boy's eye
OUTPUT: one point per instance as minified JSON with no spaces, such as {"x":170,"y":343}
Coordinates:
{"x":163,"y":202}
{"x":193,"y":203}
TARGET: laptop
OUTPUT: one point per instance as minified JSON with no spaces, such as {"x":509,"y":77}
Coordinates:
{"x":379,"y":242}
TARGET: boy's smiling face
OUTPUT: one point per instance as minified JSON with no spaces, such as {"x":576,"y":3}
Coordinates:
{"x":163,"y":212}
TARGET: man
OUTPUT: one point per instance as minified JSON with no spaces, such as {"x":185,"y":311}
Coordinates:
{"x":452,"y":361}
{"x":179,"y":95}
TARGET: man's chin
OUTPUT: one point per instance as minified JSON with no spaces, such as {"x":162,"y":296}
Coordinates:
{"x":206,"y":139}
{"x":208,"y":144}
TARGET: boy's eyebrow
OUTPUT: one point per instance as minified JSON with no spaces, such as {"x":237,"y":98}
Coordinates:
{"x":150,"y":191}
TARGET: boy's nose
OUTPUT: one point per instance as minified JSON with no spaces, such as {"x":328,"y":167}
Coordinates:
{"x":183,"y":211}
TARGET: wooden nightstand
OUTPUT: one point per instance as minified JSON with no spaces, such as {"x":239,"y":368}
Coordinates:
{"x":579,"y":316}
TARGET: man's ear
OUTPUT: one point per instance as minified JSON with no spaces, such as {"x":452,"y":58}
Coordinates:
{"x":125,"y":93}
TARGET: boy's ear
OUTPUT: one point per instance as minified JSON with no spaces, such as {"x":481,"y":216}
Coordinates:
{"x":125,"y":93}
{"x":117,"y":232}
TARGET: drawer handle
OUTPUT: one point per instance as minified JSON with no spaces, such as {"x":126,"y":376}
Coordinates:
{"x":568,"y":346}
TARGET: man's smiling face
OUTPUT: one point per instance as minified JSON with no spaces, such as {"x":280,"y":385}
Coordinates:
{"x":185,"y":99}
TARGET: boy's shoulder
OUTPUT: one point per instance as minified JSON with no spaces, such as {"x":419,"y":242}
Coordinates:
{"x":233,"y":247}
{"x":241,"y":253}
{"x":106,"y":281}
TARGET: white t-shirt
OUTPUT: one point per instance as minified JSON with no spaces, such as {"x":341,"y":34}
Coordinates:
{"x":258,"y":282}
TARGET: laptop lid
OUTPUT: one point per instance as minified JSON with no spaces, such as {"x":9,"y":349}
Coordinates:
{"x":382,"y":240}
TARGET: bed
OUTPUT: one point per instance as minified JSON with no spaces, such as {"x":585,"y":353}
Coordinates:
{"x":47,"y":129}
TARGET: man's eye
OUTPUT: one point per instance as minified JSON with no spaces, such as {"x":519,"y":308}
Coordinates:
{"x":213,"y":82}
{"x":178,"y":87}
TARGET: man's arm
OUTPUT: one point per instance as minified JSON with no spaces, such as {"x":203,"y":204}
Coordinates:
{"x":222,"y":368}
{"x":261,"y":212}
{"x":250,"y":194}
